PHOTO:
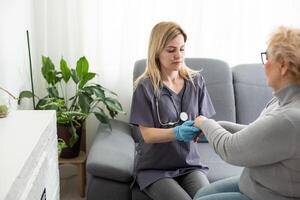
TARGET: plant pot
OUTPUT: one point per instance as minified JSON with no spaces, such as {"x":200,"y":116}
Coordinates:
{"x":63,"y":133}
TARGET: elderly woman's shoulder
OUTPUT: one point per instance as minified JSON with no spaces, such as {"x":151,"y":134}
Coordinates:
{"x":292,"y":115}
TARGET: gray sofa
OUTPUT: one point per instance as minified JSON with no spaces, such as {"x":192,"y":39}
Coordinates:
{"x":238,"y":94}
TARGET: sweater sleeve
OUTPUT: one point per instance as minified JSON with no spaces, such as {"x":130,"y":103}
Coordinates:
{"x":231,"y":127}
{"x":267,"y":140}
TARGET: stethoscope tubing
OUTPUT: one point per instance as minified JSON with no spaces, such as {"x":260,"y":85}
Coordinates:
{"x":181,"y":116}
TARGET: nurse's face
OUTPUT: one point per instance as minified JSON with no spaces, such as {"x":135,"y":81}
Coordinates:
{"x":172,"y":56}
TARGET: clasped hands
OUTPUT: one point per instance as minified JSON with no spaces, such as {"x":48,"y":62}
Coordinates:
{"x":188,"y":131}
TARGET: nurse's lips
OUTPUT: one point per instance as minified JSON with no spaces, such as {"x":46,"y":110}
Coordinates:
{"x":177,"y":62}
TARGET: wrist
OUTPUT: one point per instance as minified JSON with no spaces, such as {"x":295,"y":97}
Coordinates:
{"x":175,"y":132}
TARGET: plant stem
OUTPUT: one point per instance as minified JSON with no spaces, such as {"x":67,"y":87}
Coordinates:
{"x":75,"y":98}
{"x":10,"y":94}
{"x":66,"y":95}
{"x":73,"y":102}
{"x":63,"y":94}
{"x":30,"y":66}
{"x":94,"y":104}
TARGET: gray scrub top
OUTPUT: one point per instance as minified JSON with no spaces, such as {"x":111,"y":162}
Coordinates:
{"x":171,"y":159}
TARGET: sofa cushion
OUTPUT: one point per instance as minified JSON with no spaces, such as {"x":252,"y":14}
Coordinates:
{"x":251,"y":91}
{"x":112,"y":153}
{"x":101,"y":188}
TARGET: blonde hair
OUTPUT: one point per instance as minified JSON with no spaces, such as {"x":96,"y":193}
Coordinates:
{"x":161,"y":34}
{"x":284,"y":46}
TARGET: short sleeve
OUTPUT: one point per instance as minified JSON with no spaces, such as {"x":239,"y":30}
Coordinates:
{"x":142,"y":106}
{"x":206,"y":107}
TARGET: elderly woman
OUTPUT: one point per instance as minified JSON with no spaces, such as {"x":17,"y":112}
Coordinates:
{"x":268,"y":148}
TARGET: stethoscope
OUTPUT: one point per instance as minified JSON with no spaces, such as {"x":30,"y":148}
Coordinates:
{"x":183,"y":116}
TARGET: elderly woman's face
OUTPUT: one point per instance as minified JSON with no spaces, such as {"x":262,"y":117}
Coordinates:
{"x":172,"y":56}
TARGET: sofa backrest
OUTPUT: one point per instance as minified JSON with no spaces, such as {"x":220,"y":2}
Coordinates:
{"x":218,"y":78}
{"x":250,"y":90}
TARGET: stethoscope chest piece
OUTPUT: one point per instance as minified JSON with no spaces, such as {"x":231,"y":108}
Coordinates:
{"x":183,"y":116}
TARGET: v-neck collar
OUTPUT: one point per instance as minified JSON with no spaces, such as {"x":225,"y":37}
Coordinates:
{"x":171,"y":92}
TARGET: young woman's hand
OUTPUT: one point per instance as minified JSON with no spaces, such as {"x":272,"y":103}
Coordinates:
{"x":186,"y":131}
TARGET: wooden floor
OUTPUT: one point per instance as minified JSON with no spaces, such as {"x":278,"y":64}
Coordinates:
{"x":69,"y":188}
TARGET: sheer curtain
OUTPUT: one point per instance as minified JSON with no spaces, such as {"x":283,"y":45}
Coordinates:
{"x":113,"y":34}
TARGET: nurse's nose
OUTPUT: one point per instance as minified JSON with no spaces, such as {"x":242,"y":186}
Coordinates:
{"x":177,"y":54}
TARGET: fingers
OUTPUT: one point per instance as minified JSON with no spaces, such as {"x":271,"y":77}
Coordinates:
{"x":188,"y":123}
{"x":198,"y":137}
{"x":195,"y":130}
{"x":195,"y":139}
{"x":191,"y":129}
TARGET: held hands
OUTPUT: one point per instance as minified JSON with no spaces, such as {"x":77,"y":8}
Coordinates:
{"x":199,"y":120}
{"x":186,"y":131}
{"x":197,"y":123}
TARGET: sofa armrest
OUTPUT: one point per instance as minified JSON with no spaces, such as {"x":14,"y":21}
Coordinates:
{"x":111,"y":155}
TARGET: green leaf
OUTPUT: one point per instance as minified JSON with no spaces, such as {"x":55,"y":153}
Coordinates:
{"x":74,"y":76}
{"x":48,"y":70}
{"x":68,"y":118}
{"x":74,"y":138}
{"x":82,"y":67}
{"x":53,"y":92}
{"x":88,"y":89}
{"x":105,"y":89}
{"x":65,"y":70}
{"x":84,"y":102}
{"x":50,"y":103}
{"x":102,"y":117}
{"x":41,"y":103}
{"x":98,"y":91}
{"x":61,"y":144}
{"x":24,"y":94}
{"x":73,"y":114}
{"x":86,"y":78}
{"x":113,"y":104}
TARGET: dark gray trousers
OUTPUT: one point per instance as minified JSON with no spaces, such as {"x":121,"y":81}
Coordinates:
{"x":178,"y":188}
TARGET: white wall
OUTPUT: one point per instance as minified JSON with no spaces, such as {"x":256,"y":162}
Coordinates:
{"x":113,"y":34}
{"x":15,"y":19}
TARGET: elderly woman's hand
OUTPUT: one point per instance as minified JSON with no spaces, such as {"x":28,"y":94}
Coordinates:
{"x":198,"y":121}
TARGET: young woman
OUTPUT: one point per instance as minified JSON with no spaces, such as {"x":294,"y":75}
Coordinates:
{"x":167,"y":96}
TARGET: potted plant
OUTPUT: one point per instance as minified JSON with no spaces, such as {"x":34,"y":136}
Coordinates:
{"x":3,"y":110}
{"x":73,"y":109}
{"x":4,"y":107}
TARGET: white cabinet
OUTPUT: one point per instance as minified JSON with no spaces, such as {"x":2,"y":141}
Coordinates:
{"x":28,"y":155}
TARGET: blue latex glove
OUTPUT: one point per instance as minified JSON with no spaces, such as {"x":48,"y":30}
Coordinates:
{"x":186,"y":131}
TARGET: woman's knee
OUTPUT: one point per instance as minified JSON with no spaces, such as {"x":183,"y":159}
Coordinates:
{"x":221,"y":186}
{"x":193,"y":181}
